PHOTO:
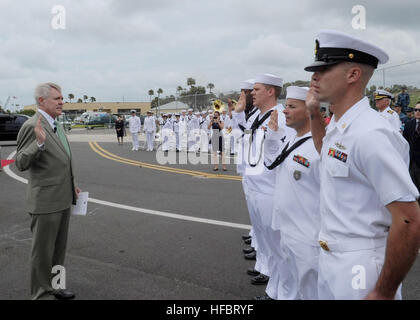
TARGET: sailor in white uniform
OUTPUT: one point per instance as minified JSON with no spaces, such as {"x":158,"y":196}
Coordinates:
{"x":296,"y":203}
{"x":175,"y":125}
{"x":183,"y":132}
{"x":383,"y":102}
{"x":260,"y":181}
{"x":150,"y":130}
{"x":370,"y":219}
{"x":167,"y":133}
{"x":135,"y":128}
{"x":204,"y":138}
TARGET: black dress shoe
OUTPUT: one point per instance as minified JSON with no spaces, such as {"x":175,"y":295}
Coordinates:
{"x":248,"y":250}
{"x":248,"y":241}
{"x":261,"y":298}
{"x":64,"y":295}
{"x":260,"y":279}
{"x":251,"y":256}
{"x":246,"y":237}
{"x":252,"y":272}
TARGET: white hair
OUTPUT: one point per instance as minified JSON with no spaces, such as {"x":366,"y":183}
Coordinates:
{"x":43,"y":90}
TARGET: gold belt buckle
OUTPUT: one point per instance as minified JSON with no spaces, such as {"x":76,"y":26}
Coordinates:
{"x":324,"y":245}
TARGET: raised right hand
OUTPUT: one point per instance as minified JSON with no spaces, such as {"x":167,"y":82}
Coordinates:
{"x":312,"y":100}
{"x":39,"y":132}
{"x":240,"y":106}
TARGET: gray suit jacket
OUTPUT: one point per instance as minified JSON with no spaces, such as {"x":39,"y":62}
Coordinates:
{"x":51,"y":182}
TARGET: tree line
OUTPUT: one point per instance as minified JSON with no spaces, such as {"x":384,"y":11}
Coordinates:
{"x":80,"y":100}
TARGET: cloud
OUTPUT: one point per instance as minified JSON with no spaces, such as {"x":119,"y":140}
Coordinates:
{"x":112,"y":48}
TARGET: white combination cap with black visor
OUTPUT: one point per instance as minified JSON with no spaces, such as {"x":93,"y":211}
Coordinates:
{"x":333,"y":47}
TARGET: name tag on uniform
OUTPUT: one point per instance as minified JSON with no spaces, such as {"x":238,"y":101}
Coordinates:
{"x":339,"y":155}
{"x":301,"y":160}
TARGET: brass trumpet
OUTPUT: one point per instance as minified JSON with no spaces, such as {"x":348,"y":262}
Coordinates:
{"x":218,"y":105}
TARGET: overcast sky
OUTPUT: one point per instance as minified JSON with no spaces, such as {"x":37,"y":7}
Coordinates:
{"x":112,"y":49}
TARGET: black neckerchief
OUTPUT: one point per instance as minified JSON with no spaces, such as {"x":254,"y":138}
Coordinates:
{"x":255,"y":125}
{"x":249,"y":115}
{"x":285,"y":153}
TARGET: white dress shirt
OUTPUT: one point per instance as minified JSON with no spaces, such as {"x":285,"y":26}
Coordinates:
{"x":364,"y":167}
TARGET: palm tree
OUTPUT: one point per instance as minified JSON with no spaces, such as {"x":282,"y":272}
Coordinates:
{"x":92,"y":99}
{"x":210,"y":86}
{"x":151,"y":93}
{"x":190,"y":82}
{"x":85,"y":97}
{"x":71,"y":96}
{"x":80,"y":100}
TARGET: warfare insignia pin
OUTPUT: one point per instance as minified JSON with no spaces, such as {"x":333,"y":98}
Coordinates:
{"x":340,"y":146}
{"x":297,"y":175}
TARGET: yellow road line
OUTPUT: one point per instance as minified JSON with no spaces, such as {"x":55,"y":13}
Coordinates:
{"x":106,"y":154}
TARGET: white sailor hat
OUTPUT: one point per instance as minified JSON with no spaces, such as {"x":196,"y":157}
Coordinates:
{"x":197,"y":113}
{"x":381,"y":94}
{"x":248,"y":84}
{"x":333,"y":47}
{"x":149,"y":111}
{"x":269,"y":79}
{"x":133,"y":111}
{"x":203,"y":112}
{"x":190,"y":110}
{"x":298,"y":93}
{"x":177,"y":114}
{"x":164,"y":115}
{"x":183,"y":110}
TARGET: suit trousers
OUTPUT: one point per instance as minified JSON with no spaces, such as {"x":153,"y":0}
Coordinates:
{"x":49,"y":241}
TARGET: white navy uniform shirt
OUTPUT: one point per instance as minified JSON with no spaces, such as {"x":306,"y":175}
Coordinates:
{"x":296,"y":197}
{"x":203,"y":123}
{"x":392,"y":117}
{"x":135,"y":124}
{"x":190,"y":120}
{"x":167,"y":124}
{"x":149,"y":124}
{"x":238,"y":118}
{"x":175,"y":125}
{"x":262,"y":180}
{"x":364,"y":167}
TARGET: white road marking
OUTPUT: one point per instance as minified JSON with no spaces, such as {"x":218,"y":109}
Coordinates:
{"x":11,"y":174}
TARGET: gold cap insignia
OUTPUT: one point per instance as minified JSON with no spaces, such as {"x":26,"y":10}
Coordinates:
{"x":316,"y":46}
{"x":351,"y":55}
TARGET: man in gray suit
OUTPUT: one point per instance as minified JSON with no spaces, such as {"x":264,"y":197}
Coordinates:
{"x":43,"y":150}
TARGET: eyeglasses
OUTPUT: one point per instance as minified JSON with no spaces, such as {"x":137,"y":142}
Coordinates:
{"x":416,"y":110}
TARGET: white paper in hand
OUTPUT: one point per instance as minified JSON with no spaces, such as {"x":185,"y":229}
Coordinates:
{"x":80,"y":209}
